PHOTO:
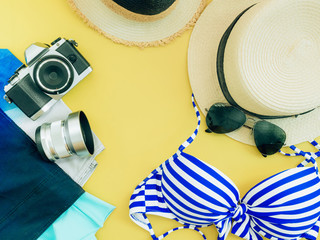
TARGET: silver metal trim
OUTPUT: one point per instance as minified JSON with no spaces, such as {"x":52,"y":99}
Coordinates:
{"x":44,"y":109}
{"x":64,"y":134}
{"x":75,"y":134}
{"x":59,"y":144}
{"x":61,"y":139}
{"x":21,"y":74}
{"x":35,"y":51}
{"x":38,"y":77}
{"x":45,"y":139}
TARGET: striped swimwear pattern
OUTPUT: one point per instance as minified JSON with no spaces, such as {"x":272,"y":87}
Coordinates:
{"x":196,"y":194}
{"x":310,"y":156}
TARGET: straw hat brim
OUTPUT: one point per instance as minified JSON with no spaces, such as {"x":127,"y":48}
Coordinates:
{"x":139,"y":33}
{"x":202,"y":54}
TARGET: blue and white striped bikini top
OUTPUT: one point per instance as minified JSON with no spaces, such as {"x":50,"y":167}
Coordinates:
{"x":196,"y":194}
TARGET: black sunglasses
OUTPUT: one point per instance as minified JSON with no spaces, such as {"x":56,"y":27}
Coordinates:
{"x":223,"y":118}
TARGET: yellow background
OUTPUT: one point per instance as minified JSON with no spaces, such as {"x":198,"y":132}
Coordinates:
{"x":138,"y":102}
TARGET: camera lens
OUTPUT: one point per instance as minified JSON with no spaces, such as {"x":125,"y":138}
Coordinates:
{"x":62,"y":139}
{"x":53,"y":75}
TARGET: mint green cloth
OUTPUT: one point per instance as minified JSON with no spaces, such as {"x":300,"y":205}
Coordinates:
{"x":81,"y":221}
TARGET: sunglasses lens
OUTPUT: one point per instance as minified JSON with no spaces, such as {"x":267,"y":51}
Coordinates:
{"x":224,"y":119}
{"x":268,"y":137}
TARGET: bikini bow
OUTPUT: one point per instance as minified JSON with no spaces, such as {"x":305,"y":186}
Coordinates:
{"x":239,"y":222}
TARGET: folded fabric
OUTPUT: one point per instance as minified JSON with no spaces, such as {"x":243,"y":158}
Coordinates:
{"x":79,"y":168}
{"x":33,"y":192}
{"x":81,"y":221}
{"x":88,"y":213}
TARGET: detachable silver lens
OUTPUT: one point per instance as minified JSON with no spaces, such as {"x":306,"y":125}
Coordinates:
{"x":64,"y":138}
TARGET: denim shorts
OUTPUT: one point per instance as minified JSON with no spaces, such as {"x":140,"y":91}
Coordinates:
{"x":33,"y":192}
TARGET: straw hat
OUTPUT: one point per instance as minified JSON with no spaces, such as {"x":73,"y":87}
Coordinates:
{"x":139,"y":22}
{"x":269,"y":60}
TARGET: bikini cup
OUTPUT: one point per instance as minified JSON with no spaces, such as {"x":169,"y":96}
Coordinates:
{"x":196,"y":194}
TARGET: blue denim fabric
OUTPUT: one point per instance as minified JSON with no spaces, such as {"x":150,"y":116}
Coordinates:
{"x":33,"y":192}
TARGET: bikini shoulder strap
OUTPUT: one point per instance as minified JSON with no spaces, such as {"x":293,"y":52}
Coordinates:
{"x":309,"y":156}
{"x":179,"y":228}
{"x":193,"y":136}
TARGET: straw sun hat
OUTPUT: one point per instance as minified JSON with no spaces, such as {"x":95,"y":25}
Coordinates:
{"x":270,"y":61}
{"x":139,"y":22}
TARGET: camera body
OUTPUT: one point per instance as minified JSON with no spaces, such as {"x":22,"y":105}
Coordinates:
{"x":50,"y":72}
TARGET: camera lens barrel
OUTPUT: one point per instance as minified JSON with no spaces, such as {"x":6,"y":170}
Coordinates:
{"x":61,"y":139}
{"x":53,"y":75}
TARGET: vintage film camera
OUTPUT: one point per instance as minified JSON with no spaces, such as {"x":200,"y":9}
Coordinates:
{"x":50,"y":72}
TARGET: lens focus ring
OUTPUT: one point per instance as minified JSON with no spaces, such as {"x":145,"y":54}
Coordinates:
{"x":62,"y":139}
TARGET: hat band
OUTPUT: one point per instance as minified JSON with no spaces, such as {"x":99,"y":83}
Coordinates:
{"x":221,"y":75}
{"x":145,"y":7}
{"x":139,"y":10}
